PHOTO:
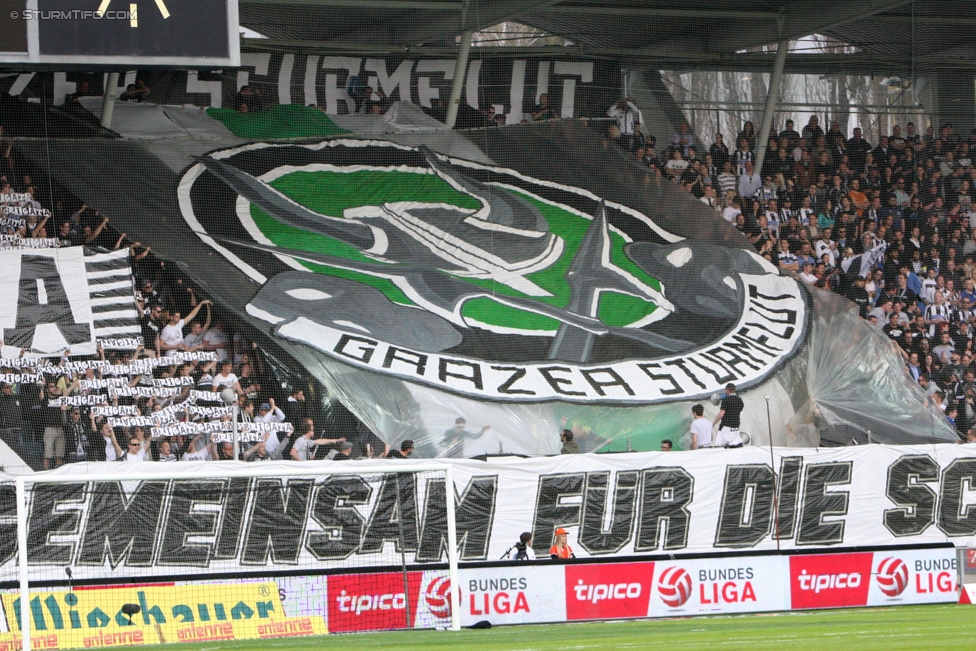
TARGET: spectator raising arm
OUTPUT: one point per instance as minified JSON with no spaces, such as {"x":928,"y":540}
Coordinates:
{"x":138,"y":256}
{"x":98,"y":231}
{"x":189,"y":317}
{"x":38,"y":230}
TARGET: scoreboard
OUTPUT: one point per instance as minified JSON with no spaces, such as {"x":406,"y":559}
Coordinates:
{"x":120,"y":32}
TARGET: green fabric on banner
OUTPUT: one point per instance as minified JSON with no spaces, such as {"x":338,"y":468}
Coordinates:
{"x":332,"y":193}
{"x":278,"y":122}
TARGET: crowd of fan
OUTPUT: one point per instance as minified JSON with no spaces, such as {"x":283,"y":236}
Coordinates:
{"x":890,"y":225}
{"x":161,"y":400}
{"x":167,"y":401}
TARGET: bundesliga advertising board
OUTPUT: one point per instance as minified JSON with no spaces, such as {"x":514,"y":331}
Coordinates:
{"x":517,"y":593}
{"x":540,"y":592}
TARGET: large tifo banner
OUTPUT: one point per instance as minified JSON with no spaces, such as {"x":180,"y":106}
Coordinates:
{"x":60,"y":300}
{"x":712,"y":501}
{"x":419,"y":311}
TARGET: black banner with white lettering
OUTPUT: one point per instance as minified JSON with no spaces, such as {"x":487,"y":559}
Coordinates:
{"x":576,"y":87}
{"x":612,"y":506}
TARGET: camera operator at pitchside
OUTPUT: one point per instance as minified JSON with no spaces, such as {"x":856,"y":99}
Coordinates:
{"x":522,"y":550}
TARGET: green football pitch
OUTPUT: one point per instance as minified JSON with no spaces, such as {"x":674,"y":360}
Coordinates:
{"x":907,"y":627}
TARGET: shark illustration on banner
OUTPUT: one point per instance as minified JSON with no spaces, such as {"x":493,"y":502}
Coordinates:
{"x":484,"y":282}
{"x":420,"y":287}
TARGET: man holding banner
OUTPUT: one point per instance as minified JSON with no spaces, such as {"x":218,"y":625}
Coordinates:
{"x":78,"y":433}
{"x":54,"y":421}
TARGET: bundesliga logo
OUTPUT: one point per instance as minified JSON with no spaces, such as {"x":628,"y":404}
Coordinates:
{"x":892,"y":576}
{"x":674,"y":586}
{"x":438,"y":597}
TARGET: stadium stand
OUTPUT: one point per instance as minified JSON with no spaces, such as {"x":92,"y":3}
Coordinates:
{"x":353,"y":242}
{"x":825,"y":223}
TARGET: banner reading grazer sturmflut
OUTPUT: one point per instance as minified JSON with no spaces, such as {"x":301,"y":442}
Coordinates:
{"x":486,"y":283}
{"x":575,"y":88}
{"x":613,"y":506}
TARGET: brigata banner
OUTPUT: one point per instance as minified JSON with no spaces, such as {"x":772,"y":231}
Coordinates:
{"x":612,"y":505}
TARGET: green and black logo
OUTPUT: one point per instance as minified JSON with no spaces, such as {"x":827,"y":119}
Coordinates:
{"x":478,"y":280}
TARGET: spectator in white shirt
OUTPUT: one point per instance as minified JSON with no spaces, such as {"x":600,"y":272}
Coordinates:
{"x":269,"y":412}
{"x":807,"y":274}
{"x":732,"y":209}
{"x":171,"y":336}
{"x":749,"y":182}
{"x":227,"y":378}
{"x":929,"y":287}
{"x":304,"y":446}
{"x":112,"y":449}
{"x":677,"y":165}
{"x":701,"y":429}
{"x":825,"y":246}
{"x":710,"y":199}
{"x":217,"y":340}
{"x":726,"y":179}
{"x":628,"y":116}
{"x":194,"y":340}
{"x":136,"y":449}
{"x":166,"y":452}
{"x":937,"y":312}
{"x":201,"y":448}
{"x":683,"y":138}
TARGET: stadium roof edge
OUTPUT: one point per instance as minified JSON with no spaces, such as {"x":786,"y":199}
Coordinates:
{"x":633,"y":29}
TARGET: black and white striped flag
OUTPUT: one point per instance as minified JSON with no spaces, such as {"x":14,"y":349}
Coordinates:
{"x":115,"y":318}
{"x":57,"y":301}
{"x":862,"y":263}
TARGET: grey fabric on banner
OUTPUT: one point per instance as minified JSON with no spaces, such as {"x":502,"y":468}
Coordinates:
{"x":402,"y":116}
{"x":449,"y":143}
{"x":406,"y":124}
{"x":178,"y":153}
{"x":557,"y":146}
{"x":144,"y":120}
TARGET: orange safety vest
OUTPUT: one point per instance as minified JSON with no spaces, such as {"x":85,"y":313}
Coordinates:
{"x":566,"y":551}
